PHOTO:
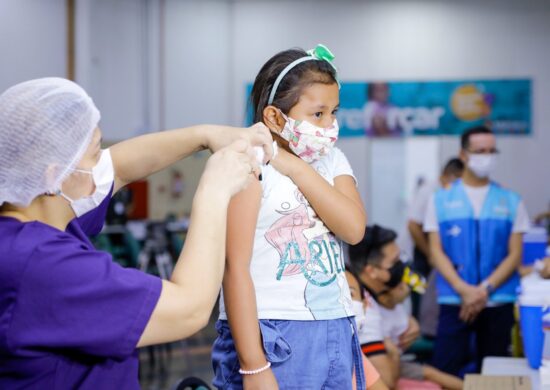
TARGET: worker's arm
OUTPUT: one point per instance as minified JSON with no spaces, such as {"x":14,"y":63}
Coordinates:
{"x":474,"y":298}
{"x":187,"y":299}
{"x":510,"y":264}
{"x":142,"y":156}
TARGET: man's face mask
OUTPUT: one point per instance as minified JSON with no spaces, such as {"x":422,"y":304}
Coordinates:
{"x":482,"y":165}
{"x":396,"y":274}
{"x":308,"y":141}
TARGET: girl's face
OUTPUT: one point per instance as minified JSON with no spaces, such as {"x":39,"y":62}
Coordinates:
{"x":318,"y":105}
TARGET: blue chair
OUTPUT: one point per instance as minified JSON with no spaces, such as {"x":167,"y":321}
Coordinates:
{"x":191,"y":383}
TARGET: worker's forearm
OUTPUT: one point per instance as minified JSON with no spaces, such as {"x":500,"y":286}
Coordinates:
{"x":510,"y":264}
{"x":200,"y":268}
{"x":240,"y":305}
{"x":445,"y":267}
{"x":142,"y":156}
{"x":503,"y":272}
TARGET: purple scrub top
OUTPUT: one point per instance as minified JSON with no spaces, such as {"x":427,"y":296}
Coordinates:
{"x":70,"y":317}
{"x":91,"y":223}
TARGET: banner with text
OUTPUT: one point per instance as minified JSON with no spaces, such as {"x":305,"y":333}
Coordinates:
{"x":394,"y":109}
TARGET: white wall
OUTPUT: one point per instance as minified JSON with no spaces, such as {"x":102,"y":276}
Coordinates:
{"x":213,"y":47}
{"x":197,"y":62}
{"x":169,"y":63}
{"x":33,"y":40}
{"x":113,"y":55}
{"x":417,"y":40}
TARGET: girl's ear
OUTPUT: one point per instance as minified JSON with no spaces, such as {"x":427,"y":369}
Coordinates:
{"x":273,"y":119}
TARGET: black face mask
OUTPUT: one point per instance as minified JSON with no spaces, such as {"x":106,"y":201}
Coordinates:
{"x":396,"y":274}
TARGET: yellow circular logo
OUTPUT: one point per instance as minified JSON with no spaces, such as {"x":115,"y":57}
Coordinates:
{"x":468,"y":103}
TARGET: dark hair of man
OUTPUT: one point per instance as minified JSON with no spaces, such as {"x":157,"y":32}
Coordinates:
{"x":465,"y":138}
{"x":293,"y":83}
{"x":454,"y":167}
{"x":369,"y":250}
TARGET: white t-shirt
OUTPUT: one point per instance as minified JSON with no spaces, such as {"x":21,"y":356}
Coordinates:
{"x":477,"y":196}
{"x":369,"y":330}
{"x":395,"y":322}
{"x":297,"y":264}
{"x":419,"y":204}
{"x":377,"y":322}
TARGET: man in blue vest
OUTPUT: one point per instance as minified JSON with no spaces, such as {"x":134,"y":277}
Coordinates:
{"x":475,"y":232}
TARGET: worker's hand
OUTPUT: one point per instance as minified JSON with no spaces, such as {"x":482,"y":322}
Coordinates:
{"x":474,"y":300}
{"x":545,"y":271}
{"x":541,"y":217}
{"x":231,"y":168}
{"x":256,"y":135}
{"x":468,"y":313}
{"x":263,"y":381}
{"x":410,"y":335}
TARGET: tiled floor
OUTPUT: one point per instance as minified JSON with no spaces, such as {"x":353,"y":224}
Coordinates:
{"x":162,"y":366}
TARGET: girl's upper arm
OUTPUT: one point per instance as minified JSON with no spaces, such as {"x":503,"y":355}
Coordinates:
{"x":241,"y":224}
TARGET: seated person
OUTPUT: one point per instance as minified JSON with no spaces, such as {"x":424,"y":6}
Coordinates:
{"x":385,"y":328}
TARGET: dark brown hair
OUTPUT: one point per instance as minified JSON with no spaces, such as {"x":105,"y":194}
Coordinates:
{"x":293,"y":83}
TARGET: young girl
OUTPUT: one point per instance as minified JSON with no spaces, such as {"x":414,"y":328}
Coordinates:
{"x":285,"y":265}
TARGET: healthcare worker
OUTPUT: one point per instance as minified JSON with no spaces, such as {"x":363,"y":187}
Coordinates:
{"x":69,"y":316}
{"x":475,"y":232}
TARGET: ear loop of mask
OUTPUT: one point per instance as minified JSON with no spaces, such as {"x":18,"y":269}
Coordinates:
{"x":59,"y":192}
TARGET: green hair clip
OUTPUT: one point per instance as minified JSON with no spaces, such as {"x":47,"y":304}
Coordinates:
{"x":321,"y":52}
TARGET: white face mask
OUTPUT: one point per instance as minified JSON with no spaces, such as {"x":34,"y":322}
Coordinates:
{"x":482,"y":165}
{"x":308,"y":141}
{"x":103,"y":175}
{"x":359,"y":311}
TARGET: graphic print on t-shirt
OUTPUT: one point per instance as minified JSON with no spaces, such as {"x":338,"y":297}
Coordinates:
{"x":306,"y":247}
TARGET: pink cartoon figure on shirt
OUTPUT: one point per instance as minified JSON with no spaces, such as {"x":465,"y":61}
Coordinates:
{"x":287,"y":234}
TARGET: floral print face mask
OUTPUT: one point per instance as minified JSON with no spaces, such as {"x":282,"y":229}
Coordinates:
{"x":308,"y":141}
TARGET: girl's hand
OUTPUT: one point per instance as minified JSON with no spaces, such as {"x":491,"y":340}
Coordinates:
{"x":263,"y":381}
{"x":256,"y":135}
{"x":285,"y":162}
{"x":231,"y":168}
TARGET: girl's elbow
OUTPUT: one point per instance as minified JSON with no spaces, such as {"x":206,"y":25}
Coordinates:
{"x":356,"y":231}
{"x":354,"y":236}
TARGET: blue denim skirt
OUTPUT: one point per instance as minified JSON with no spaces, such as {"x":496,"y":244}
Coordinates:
{"x":303,"y":354}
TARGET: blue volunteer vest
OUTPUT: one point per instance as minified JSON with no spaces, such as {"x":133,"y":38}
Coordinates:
{"x":476,"y":247}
